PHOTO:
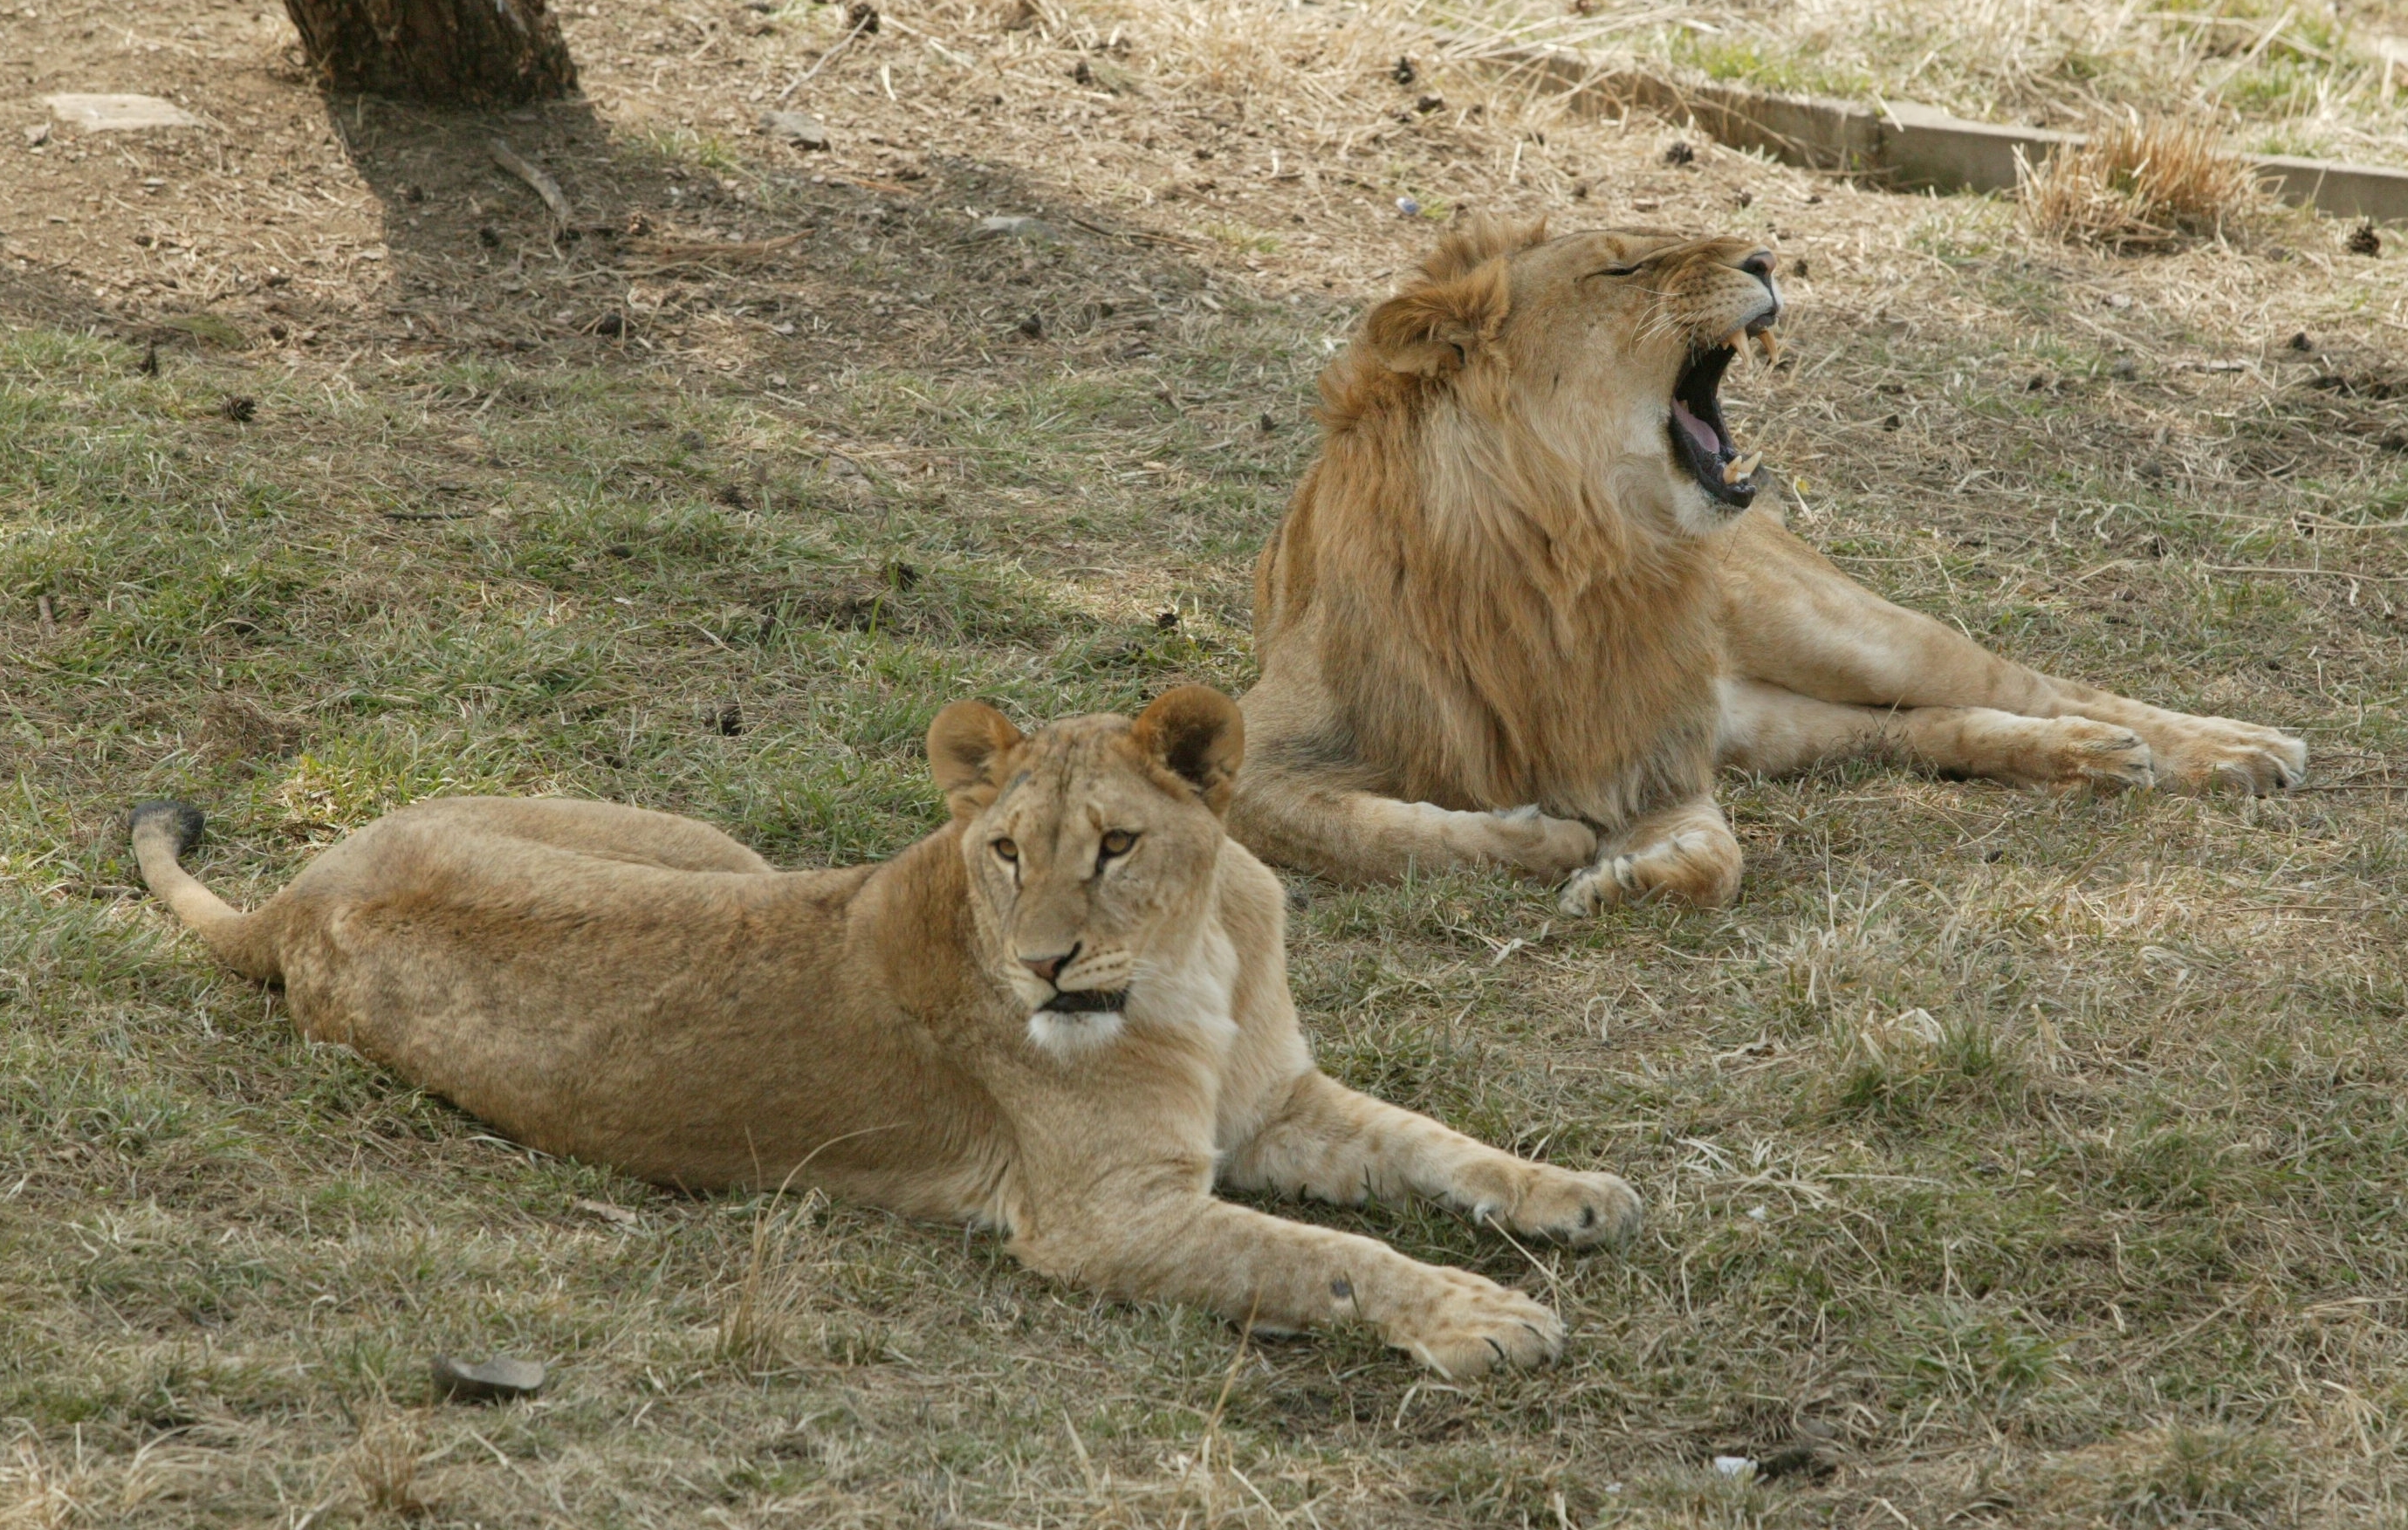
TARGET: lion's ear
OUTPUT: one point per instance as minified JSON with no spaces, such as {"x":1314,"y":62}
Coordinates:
{"x":1435,"y":328}
{"x":1198,"y":735}
{"x":966,"y":744}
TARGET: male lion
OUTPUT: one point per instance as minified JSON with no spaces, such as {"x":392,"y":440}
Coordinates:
{"x":1518,"y":613}
{"x":1063,"y":1015}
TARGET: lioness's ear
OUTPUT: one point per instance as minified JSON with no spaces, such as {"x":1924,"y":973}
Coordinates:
{"x":1196,"y":733}
{"x":965,"y":743}
{"x":1436,"y":327}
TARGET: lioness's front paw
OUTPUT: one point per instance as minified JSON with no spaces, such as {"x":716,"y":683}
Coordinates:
{"x":1467,"y":1326}
{"x":1579,"y":1210}
{"x":2077,"y":751}
{"x":1694,"y":867}
{"x":2217,"y":754}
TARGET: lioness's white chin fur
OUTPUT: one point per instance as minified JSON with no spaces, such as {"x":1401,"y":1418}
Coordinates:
{"x":1066,"y":1036}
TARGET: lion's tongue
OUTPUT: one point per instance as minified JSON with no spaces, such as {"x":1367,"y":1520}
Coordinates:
{"x":1699,"y":430}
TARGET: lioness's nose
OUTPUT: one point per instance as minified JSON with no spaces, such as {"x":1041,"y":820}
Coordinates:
{"x":1050,"y":967}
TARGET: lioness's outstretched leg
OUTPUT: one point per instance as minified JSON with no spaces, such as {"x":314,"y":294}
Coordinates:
{"x":1795,"y":621}
{"x":1162,"y":1244}
{"x":1325,"y":1141}
{"x":1773,"y":732}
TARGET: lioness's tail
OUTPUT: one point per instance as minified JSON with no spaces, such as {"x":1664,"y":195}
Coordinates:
{"x":163,"y":831}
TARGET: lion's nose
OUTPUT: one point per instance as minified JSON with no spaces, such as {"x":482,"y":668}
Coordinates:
{"x":1050,"y":967}
{"x":1759,"y":266}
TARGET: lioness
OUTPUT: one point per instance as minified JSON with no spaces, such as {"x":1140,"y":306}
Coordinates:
{"x":1518,"y":610}
{"x":1063,"y":1015}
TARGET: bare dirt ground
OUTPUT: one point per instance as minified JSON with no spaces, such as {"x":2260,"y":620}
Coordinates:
{"x":2011,"y":1160}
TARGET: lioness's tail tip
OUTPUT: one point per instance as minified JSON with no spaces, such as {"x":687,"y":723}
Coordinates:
{"x":182,"y":822}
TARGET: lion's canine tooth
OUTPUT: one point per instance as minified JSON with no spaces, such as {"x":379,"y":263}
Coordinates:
{"x":1740,"y":469}
{"x":1771,"y":346}
{"x":1737,"y":340}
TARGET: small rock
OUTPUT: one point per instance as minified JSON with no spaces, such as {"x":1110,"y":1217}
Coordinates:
{"x":240,"y":410}
{"x":1739,"y":1467}
{"x":37,"y":135}
{"x":413,"y":194}
{"x":799,"y":128}
{"x":1798,"y":266}
{"x":498,"y":1380}
{"x":1267,"y":423}
{"x":1579,"y":192}
{"x":1743,"y":197}
{"x":638,"y":224}
{"x":1892,"y":422}
{"x":2116,"y":300}
{"x":1410,"y":207}
{"x":2301,"y":342}
{"x":2125,"y":369}
{"x":1680,"y":153}
{"x":1035,"y":230}
{"x":862,"y":17}
{"x":2364,"y":241}
{"x":611,"y":326}
{"x":1404,"y":73}
{"x":489,"y":238}
{"x":1033,"y":326}
{"x":1428,"y":104}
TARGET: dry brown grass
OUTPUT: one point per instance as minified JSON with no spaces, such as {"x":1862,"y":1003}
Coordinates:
{"x":2142,"y":184}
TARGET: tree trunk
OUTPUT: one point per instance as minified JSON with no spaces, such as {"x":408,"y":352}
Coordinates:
{"x":454,"y":52}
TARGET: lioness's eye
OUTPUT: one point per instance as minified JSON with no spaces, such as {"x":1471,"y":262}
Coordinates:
{"x":1006,"y":849}
{"x":1118,"y":842}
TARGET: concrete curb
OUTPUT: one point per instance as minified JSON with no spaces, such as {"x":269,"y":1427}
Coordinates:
{"x":1912,"y":147}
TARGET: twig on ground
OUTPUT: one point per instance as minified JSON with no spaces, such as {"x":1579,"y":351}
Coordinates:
{"x":511,"y":160}
{"x":842,"y":44}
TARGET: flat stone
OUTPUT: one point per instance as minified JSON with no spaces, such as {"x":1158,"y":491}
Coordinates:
{"x":118,"y":113}
{"x":497,"y":1380}
{"x":799,"y":128}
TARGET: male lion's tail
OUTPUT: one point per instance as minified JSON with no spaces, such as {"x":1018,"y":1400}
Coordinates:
{"x":163,"y":831}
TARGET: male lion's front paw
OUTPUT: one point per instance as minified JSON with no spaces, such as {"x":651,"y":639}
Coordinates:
{"x":1579,"y":1210}
{"x":1695,"y":866}
{"x":1544,"y":847}
{"x":2217,"y":754}
{"x":1467,"y":1326}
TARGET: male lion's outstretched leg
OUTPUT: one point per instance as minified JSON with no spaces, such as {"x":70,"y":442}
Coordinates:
{"x":1289,"y":819}
{"x":1793,"y":620}
{"x":1156,"y":1243}
{"x":1773,"y":732}
{"x":1325,"y":1141}
{"x":1685,"y":851}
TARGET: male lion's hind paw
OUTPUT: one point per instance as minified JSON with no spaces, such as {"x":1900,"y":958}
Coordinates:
{"x":1580,"y":1211}
{"x":1689,"y":868}
{"x":2217,"y":754}
{"x":1475,"y":1326}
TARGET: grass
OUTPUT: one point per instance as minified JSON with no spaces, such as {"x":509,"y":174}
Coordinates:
{"x":2017,"y":1159}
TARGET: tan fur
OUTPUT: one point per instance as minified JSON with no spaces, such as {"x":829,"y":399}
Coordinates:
{"x":1499,"y":624}
{"x":640,"y":990}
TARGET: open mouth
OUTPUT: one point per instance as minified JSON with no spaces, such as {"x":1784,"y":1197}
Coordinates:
{"x":1700,"y":440}
{"x":1087,"y":1001}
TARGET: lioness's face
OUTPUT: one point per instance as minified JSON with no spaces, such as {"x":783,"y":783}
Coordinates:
{"x":1642,"y":324}
{"x":1091,"y":845}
